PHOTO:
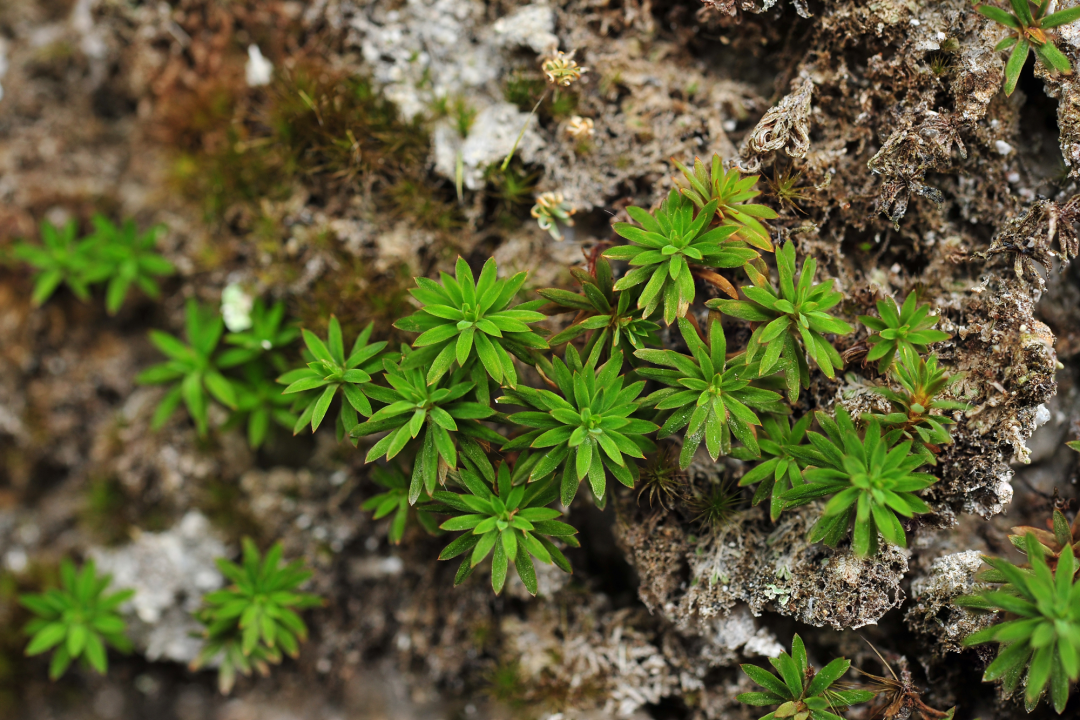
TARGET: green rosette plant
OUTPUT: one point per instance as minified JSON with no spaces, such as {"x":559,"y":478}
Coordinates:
{"x":801,"y":692}
{"x":731,"y":192}
{"x":251,"y":622}
{"x":1042,"y":634}
{"x":912,"y":418}
{"x":793,"y":315}
{"x":587,"y":430}
{"x":510,"y":520}
{"x":780,"y":468}
{"x":440,"y":411}
{"x":463,"y":319}
{"x":193,"y":365}
{"x":264,"y":339}
{"x":907,"y":330}
{"x":131,"y":258}
{"x":707,"y":394}
{"x":605,"y":316}
{"x":77,"y":620}
{"x":60,"y":259}
{"x":664,"y":247}
{"x":329,"y":372}
{"x":868,"y":481}
{"x":1029,"y":23}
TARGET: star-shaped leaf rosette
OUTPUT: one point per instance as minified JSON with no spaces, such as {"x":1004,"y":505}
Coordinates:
{"x":667,"y":248}
{"x":469,"y":322}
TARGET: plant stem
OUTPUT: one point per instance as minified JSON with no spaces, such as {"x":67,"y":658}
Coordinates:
{"x":521,"y":134}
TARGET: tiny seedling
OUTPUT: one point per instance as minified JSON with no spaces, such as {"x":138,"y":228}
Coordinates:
{"x":1029,"y":23}
{"x":907,"y":330}
{"x":731,"y":192}
{"x":193,"y":365}
{"x":869,"y":483}
{"x":251,"y":622}
{"x":589,"y":429}
{"x":331,"y":371}
{"x":664,"y":246}
{"x":707,"y":394}
{"x":1042,"y":634}
{"x":439,"y":410}
{"x":510,"y":520}
{"x":801,"y":692}
{"x":462,"y":320}
{"x":716,"y":506}
{"x":661,"y":478}
{"x":604,"y":315}
{"x":794,"y":314}
{"x":77,"y":620}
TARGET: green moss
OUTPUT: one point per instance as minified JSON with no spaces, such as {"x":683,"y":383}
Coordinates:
{"x":103,"y":513}
{"x":328,"y":130}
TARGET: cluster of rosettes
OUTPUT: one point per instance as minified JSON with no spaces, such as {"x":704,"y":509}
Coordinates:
{"x":596,"y":411}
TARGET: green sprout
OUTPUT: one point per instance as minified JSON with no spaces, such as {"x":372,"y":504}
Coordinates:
{"x":911,"y":418}
{"x":462,"y":319}
{"x":1042,"y":635}
{"x":130,"y":258}
{"x":60,"y":259}
{"x":266,"y":337}
{"x":780,"y":469}
{"x":731,"y":193}
{"x":801,"y":691}
{"x":716,"y":506}
{"x":870,"y":482}
{"x":331,"y":371}
{"x":907,"y":330}
{"x":512,"y":521}
{"x":193,"y":365}
{"x":707,"y":394}
{"x":1029,"y":23}
{"x":604,"y":315}
{"x":251,"y":622}
{"x":76,"y":620}
{"x":794,"y":314}
{"x":665,"y":246}
{"x":588,"y":430}
{"x":439,"y":410}
{"x":395,"y":500}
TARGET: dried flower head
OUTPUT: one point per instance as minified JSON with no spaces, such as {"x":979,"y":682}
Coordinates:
{"x":561,"y":69}
{"x":549,"y":208}
{"x":580,"y":128}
